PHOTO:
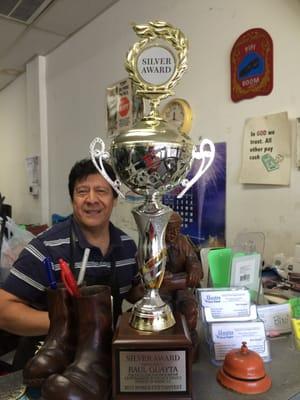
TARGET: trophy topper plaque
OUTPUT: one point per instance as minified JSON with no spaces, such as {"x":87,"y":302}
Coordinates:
{"x":156,"y":65}
{"x":157,"y":62}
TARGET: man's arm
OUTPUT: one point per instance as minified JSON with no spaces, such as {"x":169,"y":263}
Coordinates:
{"x":18,"y":318}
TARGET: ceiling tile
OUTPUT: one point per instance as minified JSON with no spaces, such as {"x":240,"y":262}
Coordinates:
{"x":33,"y":42}
{"x":9,"y":32}
{"x":28,"y":10}
{"x":66,"y":16}
{"x":19,"y":42}
{"x":6,"y":6}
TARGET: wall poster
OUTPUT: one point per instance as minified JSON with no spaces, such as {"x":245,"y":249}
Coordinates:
{"x":202,"y":208}
{"x":266,"y":157}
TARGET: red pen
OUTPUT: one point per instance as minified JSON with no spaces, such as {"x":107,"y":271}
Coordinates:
{"x":68,"y":278}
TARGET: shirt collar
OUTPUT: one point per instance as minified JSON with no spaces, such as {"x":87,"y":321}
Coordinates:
{"x":114,"y":234}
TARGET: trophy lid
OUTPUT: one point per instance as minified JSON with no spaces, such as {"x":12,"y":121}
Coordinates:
{"x":151,"y":131}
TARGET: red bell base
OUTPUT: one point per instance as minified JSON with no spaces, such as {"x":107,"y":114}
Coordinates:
{"x":244,"y":386}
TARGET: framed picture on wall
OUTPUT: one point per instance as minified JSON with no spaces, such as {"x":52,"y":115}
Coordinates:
{"x":123,"y":107}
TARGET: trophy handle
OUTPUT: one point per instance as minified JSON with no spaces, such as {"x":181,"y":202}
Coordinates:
{"x":97,"y":156}
{"x":207,"y":156}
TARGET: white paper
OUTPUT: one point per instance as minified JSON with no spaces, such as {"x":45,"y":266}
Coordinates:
{"x":267,"y":150}
{"x":33,"y":170}
{"x":276,"y":318}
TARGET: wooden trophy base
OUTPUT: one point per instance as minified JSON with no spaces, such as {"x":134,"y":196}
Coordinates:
{"x":152,"y":365}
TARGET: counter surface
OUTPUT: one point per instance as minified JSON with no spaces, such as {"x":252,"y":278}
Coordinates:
{"x":284,"y":370}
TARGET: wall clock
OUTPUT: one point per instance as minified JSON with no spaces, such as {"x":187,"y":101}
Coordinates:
{"x":179,"y":113}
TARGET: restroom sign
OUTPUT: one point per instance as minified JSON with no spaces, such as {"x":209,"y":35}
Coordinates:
{"x":251,"y":65}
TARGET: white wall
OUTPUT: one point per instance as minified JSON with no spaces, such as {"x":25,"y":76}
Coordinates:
{"x":79,"y":71}
{"x":23,"y":133}
{"x":37,"y":137}
{"x":14,"y":149}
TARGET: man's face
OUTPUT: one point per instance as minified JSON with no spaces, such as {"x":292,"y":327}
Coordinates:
{"x":172,"y":232}
{"x":93,"y":202}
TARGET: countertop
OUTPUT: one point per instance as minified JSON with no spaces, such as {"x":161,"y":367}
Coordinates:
{"x":284,"y":370}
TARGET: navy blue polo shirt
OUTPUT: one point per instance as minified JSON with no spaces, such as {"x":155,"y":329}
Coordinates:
{"x":28,"y":278}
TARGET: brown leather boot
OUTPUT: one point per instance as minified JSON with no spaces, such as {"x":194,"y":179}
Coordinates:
{"x":59,"y":347}
{"x":89,"y":376}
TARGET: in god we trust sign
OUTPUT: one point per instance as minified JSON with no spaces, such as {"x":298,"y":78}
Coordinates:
{"x":251,"y":65}
{"x":267,"y":150}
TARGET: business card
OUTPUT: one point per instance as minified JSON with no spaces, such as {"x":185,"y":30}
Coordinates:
{"x":231,"y":303}
{"x":227,"y":336}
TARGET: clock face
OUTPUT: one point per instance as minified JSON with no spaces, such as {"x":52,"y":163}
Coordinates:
{"x":178,"y":113}
{"x":175,"y":114}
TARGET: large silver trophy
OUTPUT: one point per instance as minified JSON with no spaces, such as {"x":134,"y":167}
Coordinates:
{"x":153,"y":158}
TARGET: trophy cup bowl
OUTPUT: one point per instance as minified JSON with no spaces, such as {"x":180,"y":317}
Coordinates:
{"x":151,"y":159}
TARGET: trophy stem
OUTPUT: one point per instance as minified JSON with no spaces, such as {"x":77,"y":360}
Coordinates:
{"x":154,"y":103}
{"x":151,"y":313}
{"x":152,"y":205}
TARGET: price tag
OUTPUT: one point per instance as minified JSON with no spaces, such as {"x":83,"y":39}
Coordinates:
{"x":276,"y":318}
{"x":245,"y":271}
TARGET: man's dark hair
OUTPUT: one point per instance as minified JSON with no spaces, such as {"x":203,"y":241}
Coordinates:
{"x":86,"y":167}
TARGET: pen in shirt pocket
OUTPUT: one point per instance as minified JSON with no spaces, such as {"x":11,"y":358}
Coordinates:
{"x":50,"y":273}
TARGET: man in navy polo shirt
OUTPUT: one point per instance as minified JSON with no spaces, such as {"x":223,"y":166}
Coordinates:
{"x":23,"y":300}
